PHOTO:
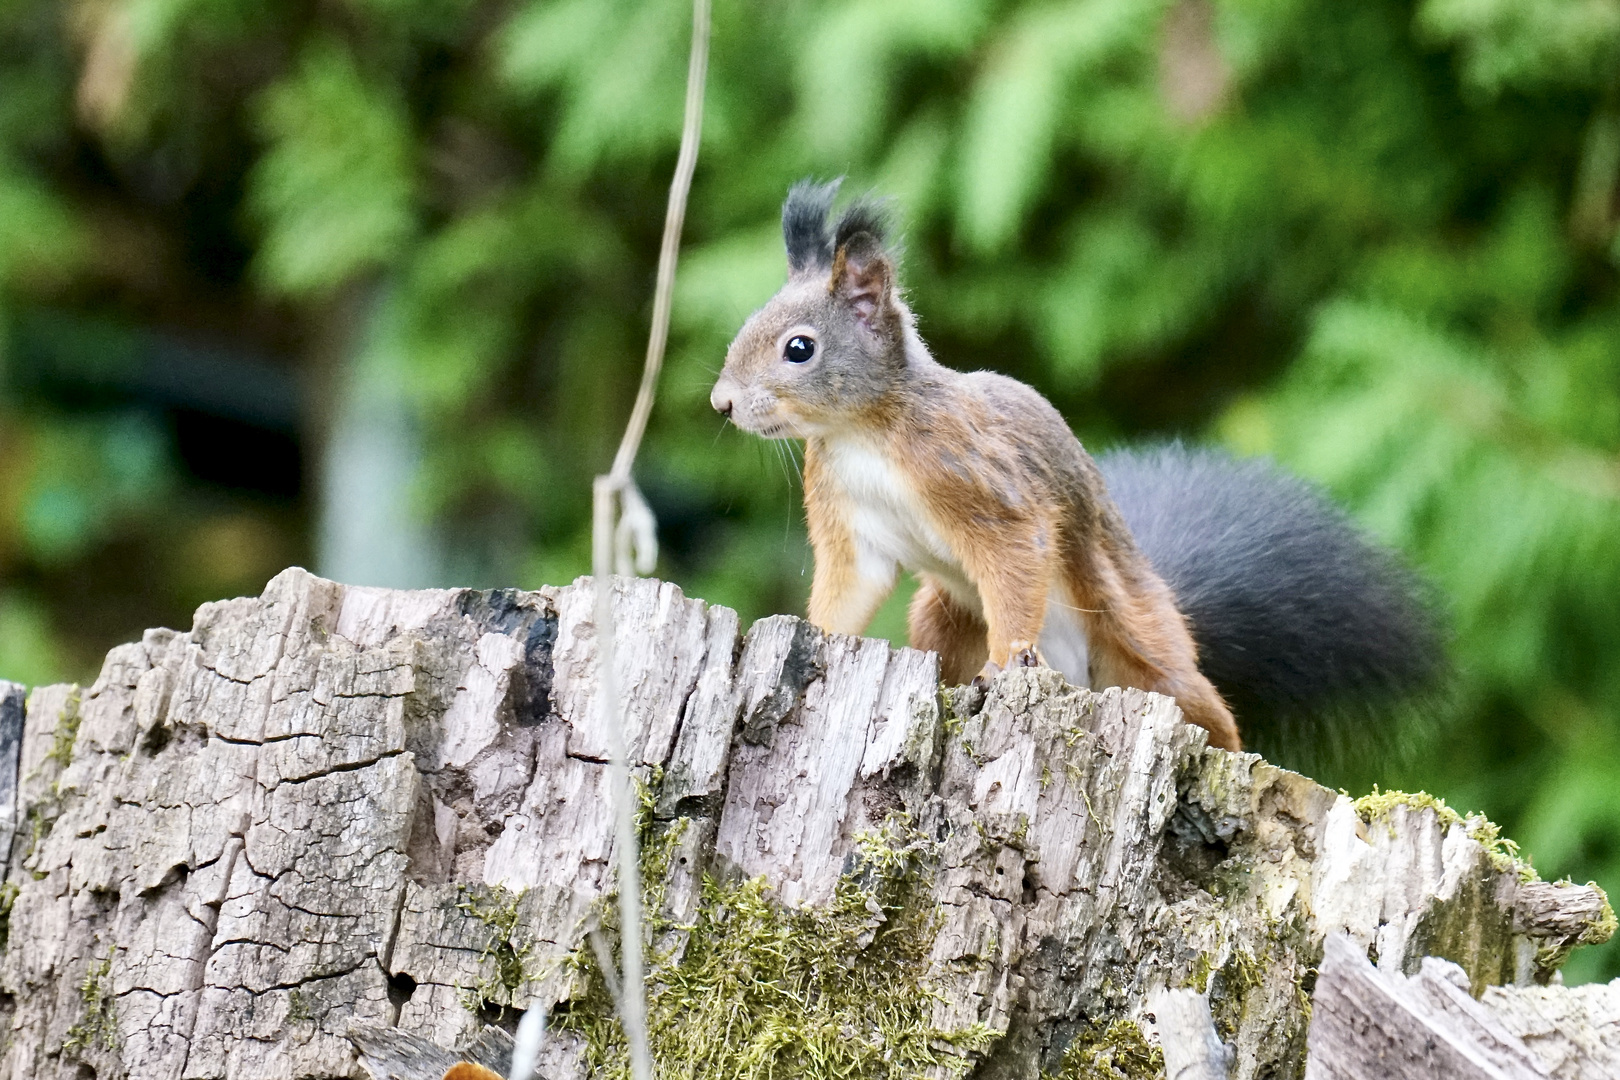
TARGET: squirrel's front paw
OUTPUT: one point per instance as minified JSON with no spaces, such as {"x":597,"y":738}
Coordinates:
{"x":1019,"y":654}
{"x":1024,"y":654}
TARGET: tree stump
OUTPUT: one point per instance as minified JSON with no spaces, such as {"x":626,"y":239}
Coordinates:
{"x":331,"y":821}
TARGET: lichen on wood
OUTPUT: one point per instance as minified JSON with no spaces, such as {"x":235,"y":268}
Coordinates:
{"x":328,"y":819}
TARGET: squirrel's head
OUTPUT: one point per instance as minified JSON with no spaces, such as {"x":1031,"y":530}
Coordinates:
{"x":830,"y":347}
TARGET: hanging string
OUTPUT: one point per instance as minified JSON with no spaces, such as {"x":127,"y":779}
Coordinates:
{"x":624,"y":539}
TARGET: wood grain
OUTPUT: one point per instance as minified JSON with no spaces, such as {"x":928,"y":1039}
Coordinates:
{"x":301,"y":837}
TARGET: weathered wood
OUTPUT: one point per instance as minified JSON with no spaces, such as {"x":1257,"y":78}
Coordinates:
{"x":13,"y":708}
{"x":329,"y":811}
{"x":392,"y":1054}
{"x":1368,"y":1022}
{"x":1573,"y":1030}
{"x":1429,"y":1025}
{"x":1186,"y":1031}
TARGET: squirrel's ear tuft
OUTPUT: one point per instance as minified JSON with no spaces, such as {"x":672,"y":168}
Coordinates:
{"x":863,"y":276}
{"x":804,"y":225}
{"x":867,"y":214}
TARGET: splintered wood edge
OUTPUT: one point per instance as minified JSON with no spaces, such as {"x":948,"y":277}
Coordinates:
{"x":1366,"y":1022}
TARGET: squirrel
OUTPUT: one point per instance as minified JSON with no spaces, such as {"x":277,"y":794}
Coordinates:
{"x":974,"y":482}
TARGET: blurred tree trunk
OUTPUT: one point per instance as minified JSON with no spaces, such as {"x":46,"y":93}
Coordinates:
{"x":370,"y":528}
{"x":332,"y":825}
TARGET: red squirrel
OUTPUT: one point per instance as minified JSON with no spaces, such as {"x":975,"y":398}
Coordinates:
{"x":973,"y":482}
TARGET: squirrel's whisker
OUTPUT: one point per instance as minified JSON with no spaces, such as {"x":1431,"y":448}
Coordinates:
{"x":793,"y":459}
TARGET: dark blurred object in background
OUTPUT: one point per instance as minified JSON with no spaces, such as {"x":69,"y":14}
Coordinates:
{"x":364,"y":286}
{"x":156,"y":475}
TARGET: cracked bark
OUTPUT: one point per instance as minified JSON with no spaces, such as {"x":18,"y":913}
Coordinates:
{"x":1382,"y":1022}
{"x":308,"y":832}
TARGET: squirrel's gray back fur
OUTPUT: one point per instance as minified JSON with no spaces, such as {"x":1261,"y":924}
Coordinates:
{"x":1302,"y":623}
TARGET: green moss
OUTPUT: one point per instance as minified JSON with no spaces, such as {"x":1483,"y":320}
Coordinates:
{"x":950,"y":716}
{"x":1018,"y":840}
{"x":67,"y":731}
{"x":497,"y":908}
{"x":1378,"y":804}
{"x":297,"y":1007}
{"x":1229,"y":985}
{"x":1602,"y":930}
{"x":1229,"y":989}
{"x":1102,"y":830}
{"x":656,"y":840}
{"x":8,"y":898}
{"x":1198,"y":978}
{"x":98,"y":1026}
{"x":762,"y":990}
{"x":1117,"y":1052}
{"x":1503,"y":853}
{"x":658,"y":846}
{"x":39,"y":823}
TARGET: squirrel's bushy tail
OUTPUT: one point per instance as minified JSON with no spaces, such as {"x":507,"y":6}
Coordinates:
{"x":1302,"y":622}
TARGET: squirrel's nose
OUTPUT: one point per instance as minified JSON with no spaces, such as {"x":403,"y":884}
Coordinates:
{"x":721,"y":400}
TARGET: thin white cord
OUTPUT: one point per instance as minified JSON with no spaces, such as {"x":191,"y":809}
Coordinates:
{"x":697,"y":70}
{"x":531,"y":1034}
{"x":633,"y":540}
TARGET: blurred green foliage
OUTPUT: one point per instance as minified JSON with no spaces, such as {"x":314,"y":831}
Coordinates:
{"x":1376,"y":240}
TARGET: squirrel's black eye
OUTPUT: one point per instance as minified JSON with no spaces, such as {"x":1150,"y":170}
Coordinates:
{"x":798,"y":349}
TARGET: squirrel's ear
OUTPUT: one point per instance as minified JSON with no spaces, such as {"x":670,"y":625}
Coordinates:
{"x":863,"y":276}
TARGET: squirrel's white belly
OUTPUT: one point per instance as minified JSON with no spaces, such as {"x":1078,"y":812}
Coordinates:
{"x":889,"y":523}
{"x":1063,"y":640}
{"x":891,"y":526}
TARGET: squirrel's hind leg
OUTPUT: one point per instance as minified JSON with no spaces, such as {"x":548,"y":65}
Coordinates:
{"x":1139,"y":638}
{"x":937,"y":623}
